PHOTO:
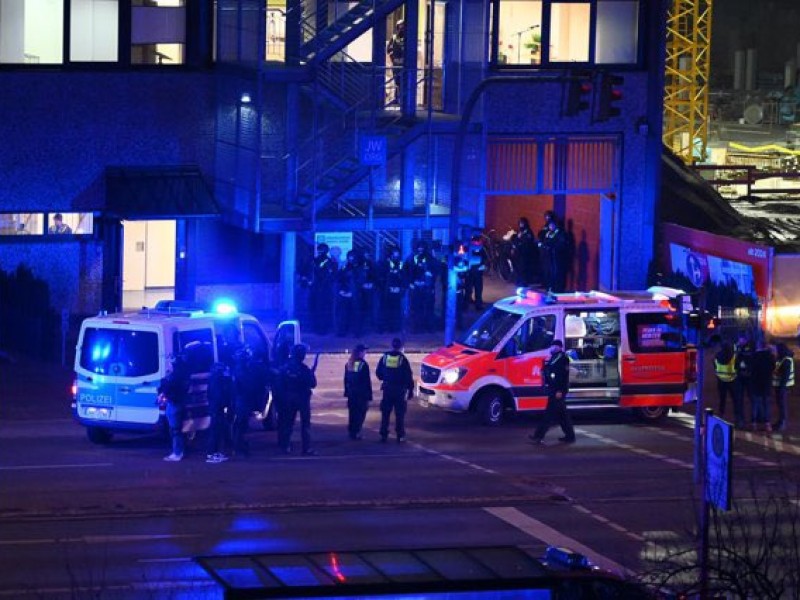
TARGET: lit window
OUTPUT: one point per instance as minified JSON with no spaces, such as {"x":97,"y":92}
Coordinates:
{"x":21,"y":224}
{"x":158,"y":32}
{"x":569,"y":32}
{"x":520,"y":32}
{"x":31,"y":31}
{"x":276,"y":32}
{"x":94,"y":30}
{"x":70,"y":223}
{"x":617,"y":31}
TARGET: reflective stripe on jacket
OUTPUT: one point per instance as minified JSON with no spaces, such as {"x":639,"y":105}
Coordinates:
{"x":726,"y":371}
{"x":778,"y":375}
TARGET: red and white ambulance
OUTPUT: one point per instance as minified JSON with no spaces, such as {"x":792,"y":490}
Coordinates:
{"x":626,"y":350}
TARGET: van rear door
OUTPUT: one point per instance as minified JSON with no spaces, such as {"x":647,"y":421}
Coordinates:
{"x":653,"y":361}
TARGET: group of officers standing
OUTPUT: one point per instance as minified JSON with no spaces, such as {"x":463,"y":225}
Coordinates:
{"x":359,"y":294}
{"x":239,"y":383}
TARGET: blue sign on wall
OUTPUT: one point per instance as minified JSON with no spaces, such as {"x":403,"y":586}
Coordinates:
{"x":372,"y":150}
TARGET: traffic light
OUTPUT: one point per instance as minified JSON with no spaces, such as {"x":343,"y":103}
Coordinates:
{"x":579,"y":93}
{"x":609,"y":97}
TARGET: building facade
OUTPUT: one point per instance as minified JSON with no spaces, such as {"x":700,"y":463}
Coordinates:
{"x":203,"y":146}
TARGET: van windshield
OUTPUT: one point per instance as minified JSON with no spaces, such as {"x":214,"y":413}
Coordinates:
{"x":119,"y":352}
{"x":491,"y":327}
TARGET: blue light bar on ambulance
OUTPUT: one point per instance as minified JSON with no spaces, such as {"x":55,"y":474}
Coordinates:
{"x":223,"y":306}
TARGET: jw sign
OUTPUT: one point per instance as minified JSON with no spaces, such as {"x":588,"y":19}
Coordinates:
{"x":372,"y":150}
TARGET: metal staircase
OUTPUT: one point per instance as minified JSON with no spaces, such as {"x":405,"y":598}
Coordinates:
{"x":320,"y":44}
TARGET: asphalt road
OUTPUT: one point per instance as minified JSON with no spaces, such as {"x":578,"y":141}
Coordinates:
{"x":79,"y":520}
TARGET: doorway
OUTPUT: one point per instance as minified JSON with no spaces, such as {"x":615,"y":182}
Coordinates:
{"x":148,"y":262}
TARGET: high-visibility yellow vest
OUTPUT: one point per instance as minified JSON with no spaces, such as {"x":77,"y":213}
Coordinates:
{"x":726,"y":371}
{"x":776,"y":377}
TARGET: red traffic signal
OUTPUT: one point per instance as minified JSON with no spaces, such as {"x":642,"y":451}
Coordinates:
{"x":609,"y":97}
{"x":579,"y":93}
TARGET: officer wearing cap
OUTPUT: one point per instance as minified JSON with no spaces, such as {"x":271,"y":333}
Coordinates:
{"x":556,"y":381}
{"x":294,"y":385}
{"x":394,"y":371}
{"x":357,"y":390}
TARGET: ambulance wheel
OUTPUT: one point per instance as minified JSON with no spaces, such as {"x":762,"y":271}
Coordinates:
{"x":490,"y":406}
{"x":98,"y":435}
{"x":651,"y":414}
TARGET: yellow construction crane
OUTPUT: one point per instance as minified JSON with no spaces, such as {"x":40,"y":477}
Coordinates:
{"x":686,"y":78}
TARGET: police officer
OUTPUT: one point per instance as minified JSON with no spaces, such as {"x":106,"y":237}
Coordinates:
{"x":725,"y":370}
{"x":556,"y":382}
{"x":349,"y":287}
{"x":175,"y":388}
{"x":460,"y":266}
{"x":477,"y":260}
{"x":294,"y":385}
{"x":250,"y":382}
{"x":526,"y":254}
{"x":220,"y":395}
{"x":392,"y":290}
{"x":394,"y":371}
{"x":556,"y":251}
{"x":366,"y":306}
{"x":421,"y":276}
{"x":357,"y":390}
{"x":322,"y":282}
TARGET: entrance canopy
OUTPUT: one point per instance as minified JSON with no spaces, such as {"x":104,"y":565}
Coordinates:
{"x":137,"y":193}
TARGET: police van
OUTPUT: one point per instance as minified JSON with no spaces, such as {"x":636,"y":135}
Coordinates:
{"x":626,"y":350}
{"x":121,"y":359}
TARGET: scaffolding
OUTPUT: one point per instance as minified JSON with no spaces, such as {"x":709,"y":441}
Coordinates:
{"x":686,"y":79}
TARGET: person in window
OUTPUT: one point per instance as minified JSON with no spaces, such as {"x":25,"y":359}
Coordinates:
{"x":395,"y":49}
{"x":58,"y":226}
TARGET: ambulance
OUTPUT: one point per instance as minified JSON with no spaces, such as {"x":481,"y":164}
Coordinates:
{"x":627,"y":350}
{"x":121,"y":358}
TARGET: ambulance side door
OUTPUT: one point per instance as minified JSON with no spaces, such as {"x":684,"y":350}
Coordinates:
{"x":653,"y":362}
{"x":523,"y":356}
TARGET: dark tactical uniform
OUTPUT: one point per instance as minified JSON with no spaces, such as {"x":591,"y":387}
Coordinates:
{"x":358,"y":391}
{"x":348,"y":308}
{"x":394,"y":371}
{"x":294,"y":385}
{"x":556,"y":382}
{"x":322,"y":282}
{"x":556,"y":251}
{"x":526,"y":254}
{"x":367,"y":305}
{"x":392,"y":291}
{"x":477,"y":261}
{"x":251,"y":380}
{"x":220,"y":404}
{"x":421,"y":276}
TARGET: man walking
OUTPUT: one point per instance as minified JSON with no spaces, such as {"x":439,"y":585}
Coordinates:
{"x":556,"y":382}
{"x":394,"y":371}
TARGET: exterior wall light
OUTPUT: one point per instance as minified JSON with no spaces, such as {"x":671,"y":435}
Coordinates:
{"x":245,"y":99}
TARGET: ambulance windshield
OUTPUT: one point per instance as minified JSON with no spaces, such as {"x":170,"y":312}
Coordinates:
{"x":490,"y":328}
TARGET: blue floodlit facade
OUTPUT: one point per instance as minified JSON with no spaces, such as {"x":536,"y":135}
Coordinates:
{"x":256,"y":125}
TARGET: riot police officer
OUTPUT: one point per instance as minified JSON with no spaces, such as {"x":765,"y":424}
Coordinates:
{"x":322,"y":282}
{"x":293,"y":387}
{"x":421,"y":275}
{"x":392,"y":291}
{"x":477,"y":261}
{"x":349,"y":288}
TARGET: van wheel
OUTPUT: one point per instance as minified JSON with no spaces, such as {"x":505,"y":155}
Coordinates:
{"x":651,"y":414}
{"x":98,"y":435}
{"x":490,"y":407}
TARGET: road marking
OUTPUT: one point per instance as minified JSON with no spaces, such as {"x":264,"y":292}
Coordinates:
{"x":35,"y":467}
{"x":551,"y":537}
{"x":99,"y":539}
{"x":776,"y":444}
{"x":636,"y":450}
{"x":460,"y":461}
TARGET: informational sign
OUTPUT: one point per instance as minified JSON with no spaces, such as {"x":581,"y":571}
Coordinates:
{"x":339,"y":242}
{"x":372,"y":150}
{"x":719,"y":462}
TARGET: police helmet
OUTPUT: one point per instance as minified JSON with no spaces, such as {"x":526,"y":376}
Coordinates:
{"x":298,"y":352}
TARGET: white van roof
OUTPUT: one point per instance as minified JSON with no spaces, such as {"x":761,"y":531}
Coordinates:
{"x":528,"y":300}
{"x":165,"y":312}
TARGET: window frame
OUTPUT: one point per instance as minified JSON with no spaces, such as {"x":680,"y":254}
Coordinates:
{"x":493,"y":18}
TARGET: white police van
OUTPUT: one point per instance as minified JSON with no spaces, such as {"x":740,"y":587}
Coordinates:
{"x":121,"y":359}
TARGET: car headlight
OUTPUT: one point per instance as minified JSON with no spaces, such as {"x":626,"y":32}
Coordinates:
{"x":450,"y":376}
